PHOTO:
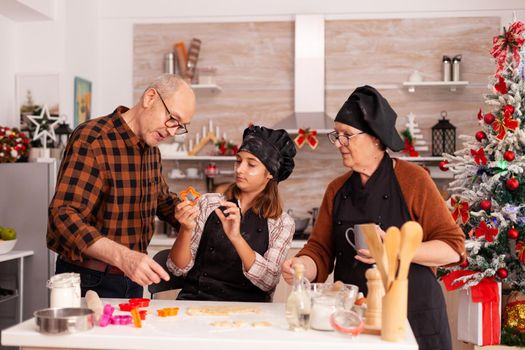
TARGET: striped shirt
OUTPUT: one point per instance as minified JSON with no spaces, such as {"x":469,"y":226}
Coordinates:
{"x":266,"y":270}
{"x":109,"y":185}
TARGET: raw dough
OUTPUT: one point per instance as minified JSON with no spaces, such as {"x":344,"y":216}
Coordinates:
{"x":221,"y":310}
{"x":258,"y":324}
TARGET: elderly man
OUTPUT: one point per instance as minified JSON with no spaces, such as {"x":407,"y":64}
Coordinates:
{"x":110,"y":187}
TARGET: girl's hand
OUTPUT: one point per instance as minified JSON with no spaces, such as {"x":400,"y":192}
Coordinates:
{"x":230,"y":215}
{"x":186,"y":215}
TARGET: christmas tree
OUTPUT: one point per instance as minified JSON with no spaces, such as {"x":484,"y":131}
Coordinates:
{"x":488,"y":190}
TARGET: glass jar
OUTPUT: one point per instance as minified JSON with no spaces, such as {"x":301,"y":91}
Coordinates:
{"x":298,"y":304}
{"x":65,"y":290}
{"x":323,"y":306}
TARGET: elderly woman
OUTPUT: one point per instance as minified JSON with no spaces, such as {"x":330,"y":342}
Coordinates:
{"x":386,"y":191}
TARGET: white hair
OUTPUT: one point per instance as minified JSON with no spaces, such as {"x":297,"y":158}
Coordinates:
{"x":167,"y":84}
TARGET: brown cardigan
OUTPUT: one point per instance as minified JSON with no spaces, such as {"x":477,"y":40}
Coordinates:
{"x":424,"y":203}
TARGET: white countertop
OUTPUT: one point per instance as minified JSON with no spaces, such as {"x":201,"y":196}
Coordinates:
{"x":163,"y":240}
{"x":196,"y":332}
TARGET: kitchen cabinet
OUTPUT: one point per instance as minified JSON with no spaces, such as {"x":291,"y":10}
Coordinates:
{"x":14,"y":284}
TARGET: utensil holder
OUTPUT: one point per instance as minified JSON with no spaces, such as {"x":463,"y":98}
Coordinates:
{"x":394,"y":315}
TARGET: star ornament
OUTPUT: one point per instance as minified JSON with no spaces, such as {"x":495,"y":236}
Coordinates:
{"x":45,"y":125}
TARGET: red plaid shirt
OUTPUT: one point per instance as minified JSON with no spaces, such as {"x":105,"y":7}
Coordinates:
{"x":110,"y":185}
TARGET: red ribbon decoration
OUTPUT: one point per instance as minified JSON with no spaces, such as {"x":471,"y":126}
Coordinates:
{"x":488,"y":232}
{"x":479,"y":156}
{"x":460,"y":210}
{"x":501,"y":125}
{"x":510,"y":41}
{"x":501,"y":86}
{"x":485,"y":292}
{"x":520,"y":250}
{"x":309,"y":136}
{"x":480,"y":114}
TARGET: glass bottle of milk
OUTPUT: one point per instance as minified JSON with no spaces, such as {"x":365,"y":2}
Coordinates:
{"x":298,"y":305}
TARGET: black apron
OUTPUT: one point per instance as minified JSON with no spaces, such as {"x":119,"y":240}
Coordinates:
{"x":381,"y":202}
{"x":217,"y":273}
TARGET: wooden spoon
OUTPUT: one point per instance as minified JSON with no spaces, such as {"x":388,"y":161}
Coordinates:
{"x":375,"y":247}
{"x":391,"y":244}
{"x":411,"y":236}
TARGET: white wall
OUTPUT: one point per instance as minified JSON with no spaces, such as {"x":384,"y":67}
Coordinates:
{"x":7,"y":67}
{"x":67,"y":46}
{"x":93,"y":39}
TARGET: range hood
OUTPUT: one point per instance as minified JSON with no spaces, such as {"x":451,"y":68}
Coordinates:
{"x":309,"y":77}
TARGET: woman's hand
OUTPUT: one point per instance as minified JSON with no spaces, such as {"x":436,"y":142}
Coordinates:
{"x":364,"y":255}
{"x":186,"y":215}
{"x":230,"y":217}
{"x":310,"y":269}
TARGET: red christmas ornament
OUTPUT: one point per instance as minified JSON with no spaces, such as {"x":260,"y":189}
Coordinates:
{"x":480,"y":136}
{"x":512,"y":233}
{"x":509,"y":156}
{"x":443,"y":165}
{"x":485,"y":204}
{"x":464,"y":264}
{"x":508,"y":111}
{"x":512,"y":184}
{"x":489,"y":118}
{"x":502,"y":273}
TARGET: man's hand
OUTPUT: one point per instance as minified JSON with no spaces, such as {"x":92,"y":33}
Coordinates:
{"x":142,"y":269}
{"x":139,"y":267}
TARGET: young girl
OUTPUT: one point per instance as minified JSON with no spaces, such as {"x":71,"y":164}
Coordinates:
{"x":231,"y":247}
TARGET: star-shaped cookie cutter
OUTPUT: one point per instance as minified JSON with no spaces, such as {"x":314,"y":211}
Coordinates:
{"x":191,"y":195}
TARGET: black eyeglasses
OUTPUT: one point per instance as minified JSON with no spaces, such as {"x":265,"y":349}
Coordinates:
{"x":344,"y":139}
{"x":172,"y":122}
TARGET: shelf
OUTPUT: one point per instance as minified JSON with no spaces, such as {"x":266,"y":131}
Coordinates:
{"x":352,"y":87}
{"x":6,"y":297}
{"x":15,"y":254}
{"x":421,"y":159}
{"x":450,"y":84}
{"x":185,"y":157}
{"x":319,"y":131}
{"x":214,"y":88}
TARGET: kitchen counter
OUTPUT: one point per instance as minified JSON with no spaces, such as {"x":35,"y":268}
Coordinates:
{"x":162,"y":240}
{"x":196,"y":332}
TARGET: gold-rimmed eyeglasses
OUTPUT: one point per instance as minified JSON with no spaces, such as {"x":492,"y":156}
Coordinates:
{"x":344,"y":139}
{"x":172,"y":122}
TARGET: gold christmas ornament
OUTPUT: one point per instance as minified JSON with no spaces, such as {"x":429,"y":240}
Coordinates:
{"x":514,"y":313}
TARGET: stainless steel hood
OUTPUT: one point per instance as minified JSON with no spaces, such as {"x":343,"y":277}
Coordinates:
{"x":309,"y":77}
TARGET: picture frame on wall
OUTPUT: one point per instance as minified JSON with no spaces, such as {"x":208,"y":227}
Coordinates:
{"x":82,"y":102}
{"x":33,"y":91}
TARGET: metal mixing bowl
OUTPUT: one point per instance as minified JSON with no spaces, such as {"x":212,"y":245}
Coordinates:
{"x":64,"y":320}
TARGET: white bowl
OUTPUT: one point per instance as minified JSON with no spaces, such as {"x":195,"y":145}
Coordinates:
{"x":7,"y":246}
